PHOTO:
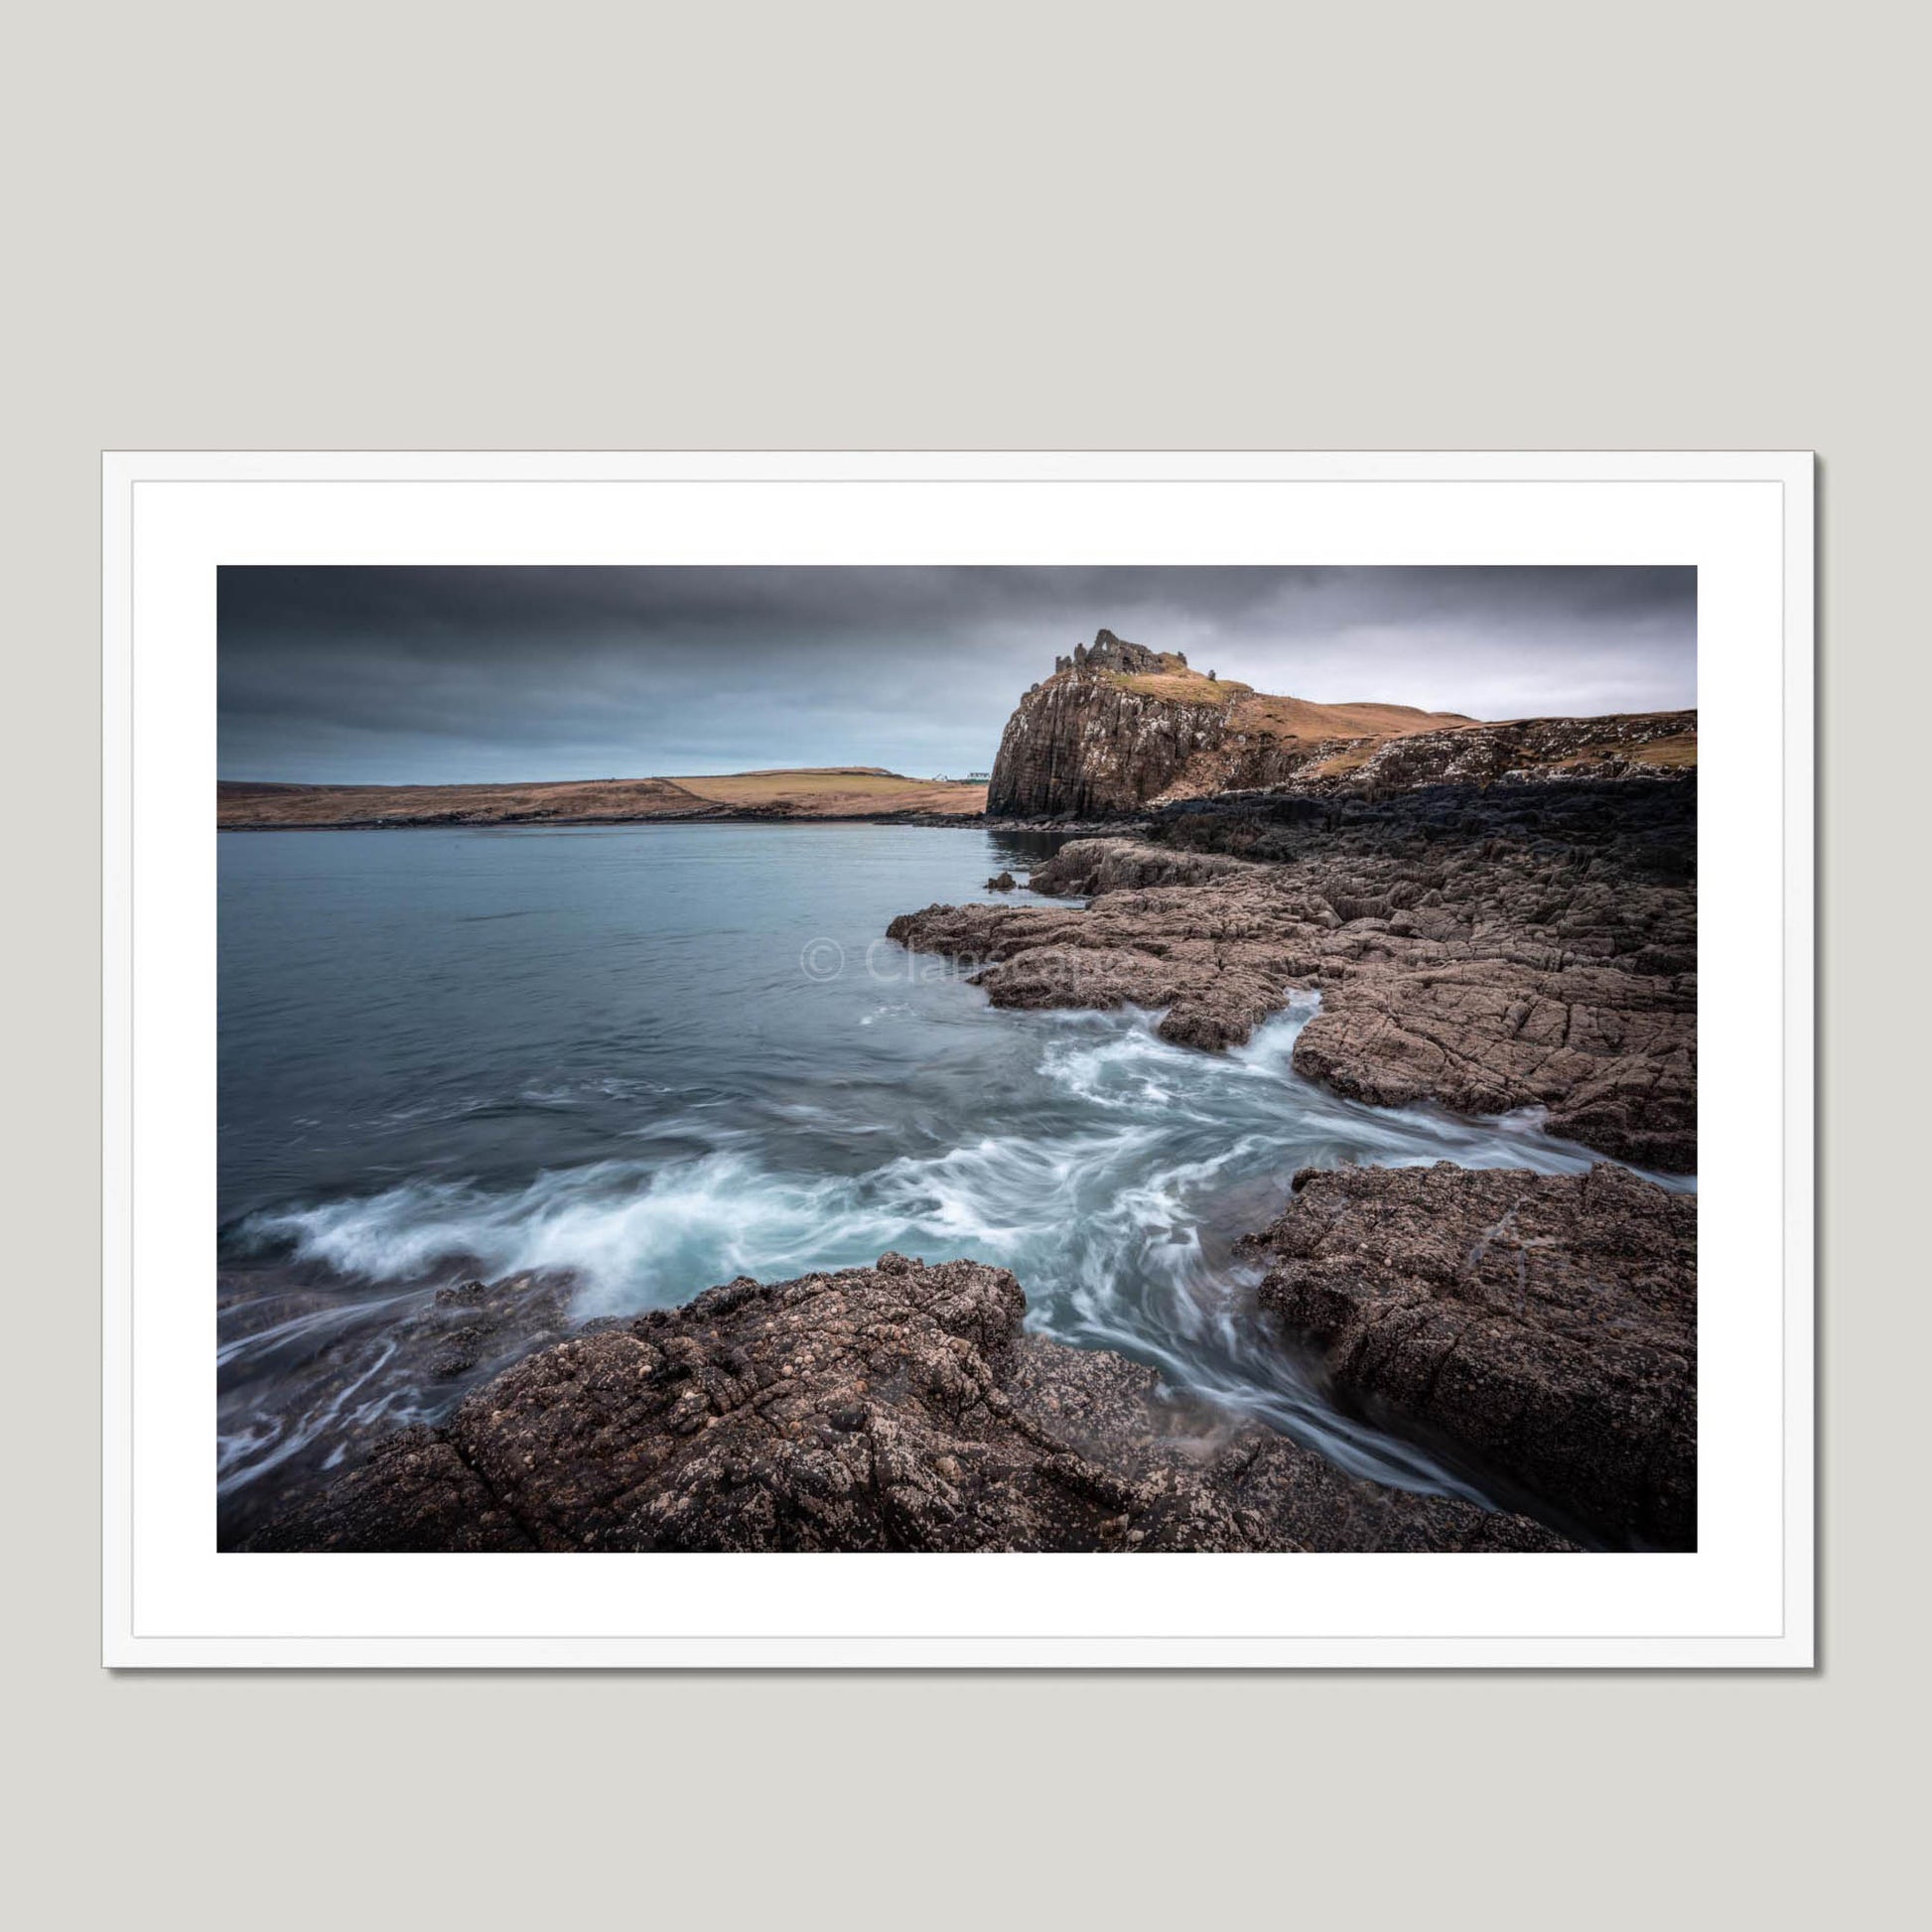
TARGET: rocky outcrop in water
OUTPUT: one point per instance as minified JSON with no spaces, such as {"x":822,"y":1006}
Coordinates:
{"x":899,"y":1407}
{"x":1511,"y":948}
{"x":1085,"y":745}
{"x":1545,"y":1324}
{"x":1120,"y":727}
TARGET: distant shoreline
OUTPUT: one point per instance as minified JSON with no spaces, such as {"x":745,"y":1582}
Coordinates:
{"x":976,"y":821}
{"x":825,"y":792}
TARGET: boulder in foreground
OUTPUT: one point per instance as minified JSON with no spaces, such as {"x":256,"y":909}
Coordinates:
{"x":1545,"y":1324}
{"x":899,"y":1407}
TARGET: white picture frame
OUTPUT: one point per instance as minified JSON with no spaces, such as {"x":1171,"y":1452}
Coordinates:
{"x":1743,"y":1598}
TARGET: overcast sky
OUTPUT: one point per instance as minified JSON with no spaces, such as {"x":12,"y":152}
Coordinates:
{"x":442,"y":675}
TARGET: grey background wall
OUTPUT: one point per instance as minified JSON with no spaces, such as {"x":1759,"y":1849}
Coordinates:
{"x":1123,"y":225}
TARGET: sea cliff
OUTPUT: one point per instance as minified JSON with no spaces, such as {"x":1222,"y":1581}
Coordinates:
{"x":1119,"y":728}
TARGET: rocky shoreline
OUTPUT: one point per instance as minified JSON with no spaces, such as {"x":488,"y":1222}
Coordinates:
{"x":1545,"y":1325}
{"x":1486,"y":949}
{"x":1496,"y":918}
{"x":902,"y":1406}
{"x":1481,"y":949}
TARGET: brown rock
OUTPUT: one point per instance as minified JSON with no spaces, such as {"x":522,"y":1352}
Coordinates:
{"x":891,"y":1408}
{"x":1082,"y":745}
{"x":414,"y":1494}
{"x":1528,"y":946}
{"x":446,"y":1342}
{"x":1546,"y":1325}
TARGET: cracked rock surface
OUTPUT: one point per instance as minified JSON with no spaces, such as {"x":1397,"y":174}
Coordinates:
{"x":899,"y":1407}
{"x":1547,"y":1323}
{"x":1493,"y":948}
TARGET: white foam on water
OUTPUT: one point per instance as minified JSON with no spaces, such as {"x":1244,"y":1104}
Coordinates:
{"x":1114,"y":1215}
{"x":621,"y":1227}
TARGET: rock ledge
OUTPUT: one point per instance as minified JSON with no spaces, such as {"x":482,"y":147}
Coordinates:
{"x":899,"y":1407}
{"x":1547,"y":1324}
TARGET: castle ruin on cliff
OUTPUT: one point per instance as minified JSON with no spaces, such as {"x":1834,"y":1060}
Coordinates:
{"x":1110,"y":654}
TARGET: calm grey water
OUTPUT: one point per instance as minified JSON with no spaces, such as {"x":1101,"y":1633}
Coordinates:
{"x":660,"y":1056}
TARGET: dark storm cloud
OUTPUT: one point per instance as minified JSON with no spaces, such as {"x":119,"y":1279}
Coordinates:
{"x":393,"y":675}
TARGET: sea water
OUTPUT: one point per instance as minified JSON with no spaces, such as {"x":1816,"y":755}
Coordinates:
{"x":650,"y":1058}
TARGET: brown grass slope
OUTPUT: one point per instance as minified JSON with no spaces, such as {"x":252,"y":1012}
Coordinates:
{"x":835,"y":791}
{"x":1296,"y":720}
{"x":1302,"y":719}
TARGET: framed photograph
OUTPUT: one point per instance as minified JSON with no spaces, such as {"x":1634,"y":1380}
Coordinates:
{"x":971,"y":1060}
